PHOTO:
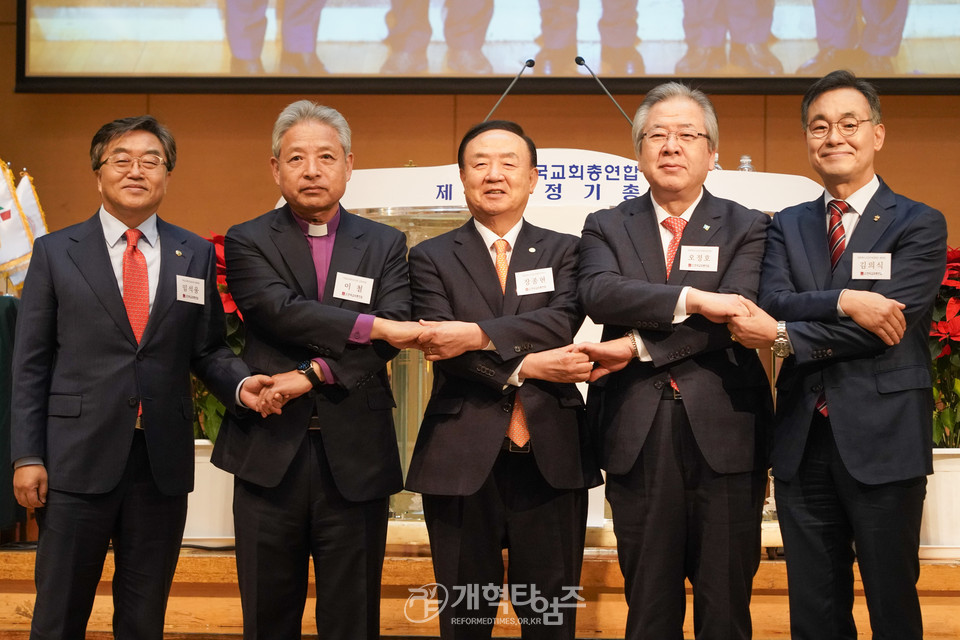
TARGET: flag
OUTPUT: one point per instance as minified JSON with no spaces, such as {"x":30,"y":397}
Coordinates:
{"x":16,"y":240}
{"x":30,"y":205}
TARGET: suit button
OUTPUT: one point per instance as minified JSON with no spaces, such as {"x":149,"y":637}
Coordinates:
{"x":829,"y":352}
{"x":817,"y":388}
{"x":139,"y":355}
{"x":507,"y":407}
{"x":133,"y":401}
{"x":517,"y":348}
{"x":658,"y":385}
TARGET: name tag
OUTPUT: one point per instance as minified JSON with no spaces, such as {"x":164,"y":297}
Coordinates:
{"x":190,"y":290}
{"x":353,"y":288}
{"x":871,"y":266}
{"x":534,"y":281}
{"x":699,"y":258}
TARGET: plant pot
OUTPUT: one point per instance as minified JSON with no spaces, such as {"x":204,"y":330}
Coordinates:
{"x":940,"y":528}
{"x":210,"y":505}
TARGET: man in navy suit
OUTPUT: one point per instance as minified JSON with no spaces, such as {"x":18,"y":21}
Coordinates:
{"x":316,"y":285}
{"x":108,"y":333}
{"x":684,"y":414}
{"x":851,"y":277}
{"x":501,"y":458}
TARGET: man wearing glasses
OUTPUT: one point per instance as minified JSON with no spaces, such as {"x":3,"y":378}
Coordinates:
{"x":851,"y":277}
{"x":116,"y":313}
{"x":683,"y":416}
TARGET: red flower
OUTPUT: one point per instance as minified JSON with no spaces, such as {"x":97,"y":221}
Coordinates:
{"x":229,"y":306}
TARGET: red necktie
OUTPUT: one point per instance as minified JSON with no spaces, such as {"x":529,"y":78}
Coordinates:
{"x":675,"y":224}
{"x":836,"y":243}
{"x":517,"y":431}
{"x":836,"y":238}
{"x":136,"y":289}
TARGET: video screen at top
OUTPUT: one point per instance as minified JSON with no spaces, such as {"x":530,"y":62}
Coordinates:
{"x":484,"y":38}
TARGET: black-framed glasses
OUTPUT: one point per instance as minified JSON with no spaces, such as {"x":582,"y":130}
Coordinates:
{"x":846,"y":126}
{"x":124,"y":162}
{"x":659,"y":137}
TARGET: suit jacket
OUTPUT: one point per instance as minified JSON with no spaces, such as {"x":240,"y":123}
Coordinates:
{"x":878,"y":397}
{"x":466,"y":420}
{"x":623,"y":285}
{"x":79,"y":374}
{"x":273,"y":280}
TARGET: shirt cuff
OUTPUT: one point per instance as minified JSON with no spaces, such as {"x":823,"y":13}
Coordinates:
{"x":514,"y":379}
{"x":361,"y":330}
{"x":840,"y":310}
{"x":27,"y":461}
{"x":643,"y":355}
{"x":236,"y":394}
{"x":680,"y":311}
{"x":328,"y":377}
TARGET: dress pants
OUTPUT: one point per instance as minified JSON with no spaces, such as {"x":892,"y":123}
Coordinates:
{"x":823,"y":513}
{"x":146,"y":528}
{"x":246,"y":26}
{"x":465,"y":24}
{"x":542,"y":528}
{"x":706,"y":22}
{"x":876,"y":26}
{"x":675,"y":518}
{"x":279,"y":528}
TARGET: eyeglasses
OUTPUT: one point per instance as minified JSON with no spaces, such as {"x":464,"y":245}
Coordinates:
{"x":659,"y":137}
{"x":123,"y":162}
{"x":846,"y":126}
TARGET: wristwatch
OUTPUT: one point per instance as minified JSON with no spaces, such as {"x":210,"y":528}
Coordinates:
{"x":306,"y":368}
{"x":781,"y":346}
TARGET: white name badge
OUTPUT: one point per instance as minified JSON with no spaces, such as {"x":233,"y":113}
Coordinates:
{"x":353,"y":288}
{"x":699,"y":258}
{"x":534,"y":281}
{"x":190,"y":290}
{"x":871,"y":266}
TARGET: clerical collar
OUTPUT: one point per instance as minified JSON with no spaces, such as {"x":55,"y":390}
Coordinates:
{"x":318,"y":230}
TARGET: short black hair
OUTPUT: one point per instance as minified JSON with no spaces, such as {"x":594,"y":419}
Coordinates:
{"x":493,"y":125}
{"x":841,"y":79}
{"x":123,"y":126}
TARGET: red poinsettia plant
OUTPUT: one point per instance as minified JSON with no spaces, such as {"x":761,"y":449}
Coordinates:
{"x":945,"y":351}
{"x":207,"y":410}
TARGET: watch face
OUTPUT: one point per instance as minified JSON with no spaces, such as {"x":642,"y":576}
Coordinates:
{"x":303,"y":366}
{"x":781,"y":349}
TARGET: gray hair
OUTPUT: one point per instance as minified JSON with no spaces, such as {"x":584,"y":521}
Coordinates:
{"x":669,"y":91}
{"x":307,"y":110}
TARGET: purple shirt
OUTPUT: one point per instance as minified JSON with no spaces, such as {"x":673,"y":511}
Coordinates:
{"x":321,"y":248}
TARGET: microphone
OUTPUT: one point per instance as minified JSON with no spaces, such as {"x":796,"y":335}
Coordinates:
{"x":581,"y":62}
{"x":529,"y":63}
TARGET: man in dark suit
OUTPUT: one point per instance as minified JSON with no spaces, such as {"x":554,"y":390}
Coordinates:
{"x":852,"y":277}
{"x":109,"y":330}
{"x":315,"y":284}
{"x":684,"y":414}
{"x":501,"y":457}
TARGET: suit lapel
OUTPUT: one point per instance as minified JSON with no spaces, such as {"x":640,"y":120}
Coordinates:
{"x":641,"y":226}
{"x":476,"y":262}
{"x":812,"y":226}
{"x":90,"y":255}
{"x":526,"y":256}
{"x":880,"y":213}
{"x":348,"y":250}
{"x":175,"y":259}
{"x":295,"y":251}
{"x":704,"y":223}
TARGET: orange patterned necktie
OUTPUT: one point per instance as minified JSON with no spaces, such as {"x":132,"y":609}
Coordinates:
{"x":517,"y":431}
{"x":675,"y":225}
{"x":136,"y":289}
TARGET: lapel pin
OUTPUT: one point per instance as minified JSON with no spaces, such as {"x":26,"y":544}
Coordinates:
{"x":706,"y":227}
{"x":179,"y":253}
{"x":875,"y":218}
{"x":532,"y":249}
